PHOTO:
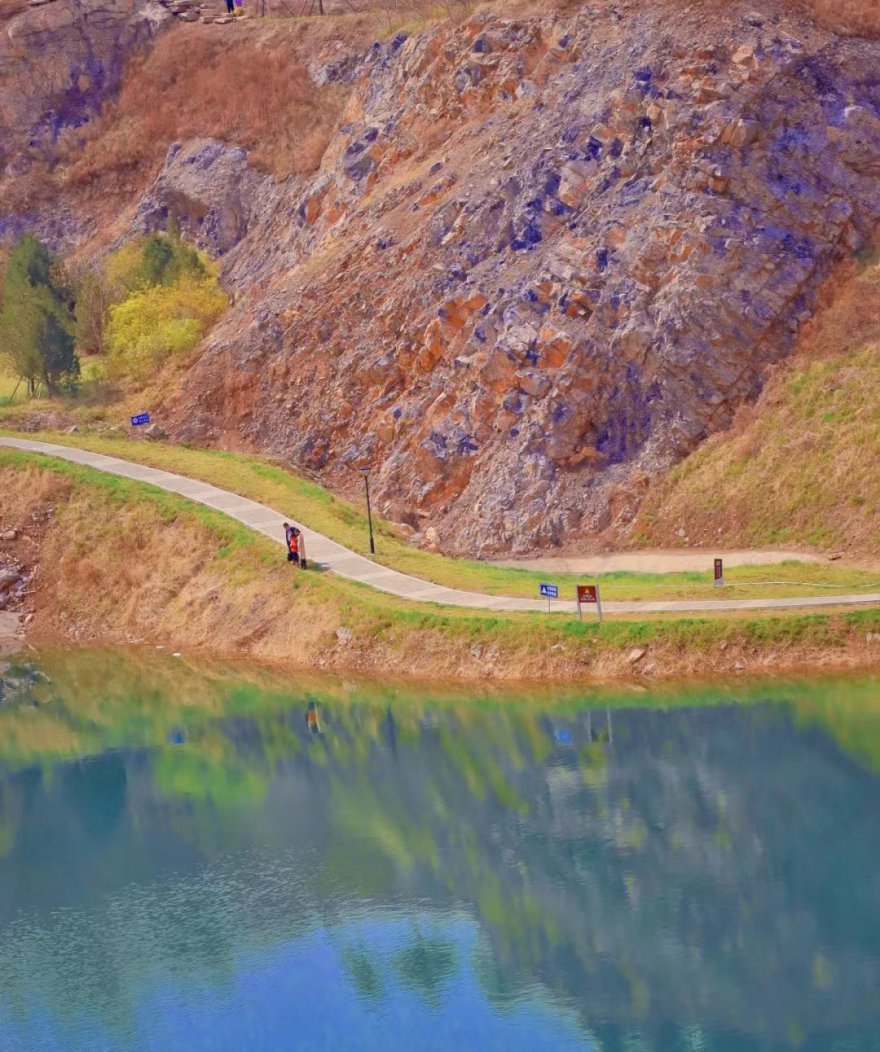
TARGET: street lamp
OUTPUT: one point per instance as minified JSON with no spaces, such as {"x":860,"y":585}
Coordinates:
{"x":366,"y":473}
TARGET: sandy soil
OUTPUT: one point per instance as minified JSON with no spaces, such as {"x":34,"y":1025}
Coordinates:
{"x":661,"y":560}
{"x":11,"y":633}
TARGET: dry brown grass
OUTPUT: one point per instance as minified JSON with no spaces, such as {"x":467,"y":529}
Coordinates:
{"x":848,"y":317}
{"x":212,"y":81}
{"x":848,"y":16}
{"x":26,"y":491}
{"x":799,"y":466}
{"x":117,"y":570}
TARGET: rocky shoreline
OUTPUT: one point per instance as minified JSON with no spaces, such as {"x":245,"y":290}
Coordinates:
{"x":19,"y":551}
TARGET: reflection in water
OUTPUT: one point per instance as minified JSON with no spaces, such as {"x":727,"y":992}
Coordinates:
{"x":186,"y":863}
{"x":312,"y":717}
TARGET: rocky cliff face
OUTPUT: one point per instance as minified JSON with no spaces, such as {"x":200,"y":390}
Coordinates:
{"x":541,"y":260}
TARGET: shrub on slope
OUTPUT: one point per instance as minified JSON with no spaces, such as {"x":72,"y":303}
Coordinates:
{"x":167,"y":297}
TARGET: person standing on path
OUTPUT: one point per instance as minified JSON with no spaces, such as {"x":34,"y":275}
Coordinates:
{"x":292,"y":538}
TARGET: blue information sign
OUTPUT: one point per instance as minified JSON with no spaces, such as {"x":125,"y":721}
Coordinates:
{"x":549,"y":591}
{"x":141,"y":418}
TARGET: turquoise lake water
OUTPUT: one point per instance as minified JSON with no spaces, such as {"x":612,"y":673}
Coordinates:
{"x":188,"y":863}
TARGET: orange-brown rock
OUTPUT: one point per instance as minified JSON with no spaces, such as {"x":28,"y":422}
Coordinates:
{"x":595,"y":240}
{"x":542,"y":257}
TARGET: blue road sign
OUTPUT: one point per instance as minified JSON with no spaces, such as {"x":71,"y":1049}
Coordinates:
{"x":141,"y":418}
{"x":549,"y":591}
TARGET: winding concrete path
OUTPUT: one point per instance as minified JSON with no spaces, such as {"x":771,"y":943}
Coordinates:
{"x":332,"y":556}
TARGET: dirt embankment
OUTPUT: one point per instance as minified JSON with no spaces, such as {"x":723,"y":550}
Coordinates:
{"x":108,"y":561}
{"x":19,"y":561}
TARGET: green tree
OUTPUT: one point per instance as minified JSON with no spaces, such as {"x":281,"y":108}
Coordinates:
{"x":36,"y":321}
{"x":150,"y":261}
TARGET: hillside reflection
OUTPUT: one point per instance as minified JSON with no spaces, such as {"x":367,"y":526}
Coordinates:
{"x":702,"y":877}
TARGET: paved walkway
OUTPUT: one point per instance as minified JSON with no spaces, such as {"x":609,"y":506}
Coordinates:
{"x":332,"y":556}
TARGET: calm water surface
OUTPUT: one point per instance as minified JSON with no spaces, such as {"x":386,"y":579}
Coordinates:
{"x":189,"y":860}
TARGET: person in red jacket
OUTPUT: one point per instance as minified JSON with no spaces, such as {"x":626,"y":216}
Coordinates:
{"x":292,"y":537}
{"x":296,"y":545}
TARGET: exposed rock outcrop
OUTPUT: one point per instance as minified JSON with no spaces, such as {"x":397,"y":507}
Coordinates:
{"x":211,"y":190}
{"x":59,"y":62}
{"x":541,"y":261}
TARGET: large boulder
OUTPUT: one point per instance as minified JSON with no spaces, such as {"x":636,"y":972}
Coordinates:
{"x":210,"y":189}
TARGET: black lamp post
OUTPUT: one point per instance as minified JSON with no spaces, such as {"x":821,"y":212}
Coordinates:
{"x":366,"y":473}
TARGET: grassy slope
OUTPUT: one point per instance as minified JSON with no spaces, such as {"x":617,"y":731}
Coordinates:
{"x":800,"y":466}
{"x":122,"y":561}
{"x":316,"y":507}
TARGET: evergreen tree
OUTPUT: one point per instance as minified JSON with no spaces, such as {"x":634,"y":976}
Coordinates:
{"x":36,"y":321}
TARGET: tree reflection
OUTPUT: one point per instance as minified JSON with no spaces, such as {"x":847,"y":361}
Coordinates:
{"x":364,"y":975}
{"x":664,"y":869}
{"x":426,"y":966}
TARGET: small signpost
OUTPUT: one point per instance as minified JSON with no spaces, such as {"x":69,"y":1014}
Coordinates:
{"x":141,"y":418}
{"x":550,"y":591}
{"x":589,"y":594}
{"x":719,"y":573}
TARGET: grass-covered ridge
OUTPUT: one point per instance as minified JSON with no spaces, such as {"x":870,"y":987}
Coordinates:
{"x":125,"y":562}
{"x":800,"y":466}
{"x":278,"y":488}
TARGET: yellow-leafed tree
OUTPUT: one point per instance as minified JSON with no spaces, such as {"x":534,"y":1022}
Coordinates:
{"x":157,"y":322}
